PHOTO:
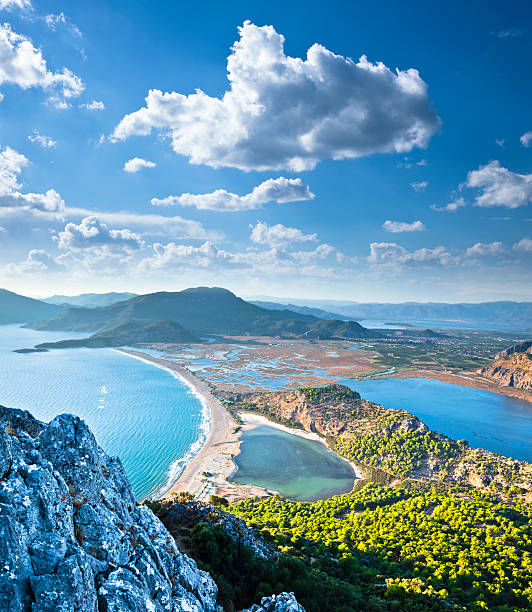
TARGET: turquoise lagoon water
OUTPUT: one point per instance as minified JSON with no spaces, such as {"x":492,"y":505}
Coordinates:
{"x":485,"y":419}
{"x":298,"y":468}
{"x":143,"y":414}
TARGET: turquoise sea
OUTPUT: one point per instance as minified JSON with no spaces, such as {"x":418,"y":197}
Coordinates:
{"x":143,"y":414}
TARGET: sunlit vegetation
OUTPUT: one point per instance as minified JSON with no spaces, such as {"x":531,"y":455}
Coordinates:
{"x":466,"y":550}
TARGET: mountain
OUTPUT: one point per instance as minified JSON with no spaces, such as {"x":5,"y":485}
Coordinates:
{"x":16,"y":308}
{"x":128,"y":334}
{"x":512,"y":367}
{"x":90,"y":300}
{"x":342,"y":330}
{"x":202,"y":310}
{"x":505,"y":314}
{"x":306,"y":310}
{"x":73,"y":537}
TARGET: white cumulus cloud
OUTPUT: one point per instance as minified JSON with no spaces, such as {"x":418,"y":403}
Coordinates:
{"x":22,"y":64}
{"x":525,"y":244}
{"x":136,"y":164}
{"x":499,"y":186}
{"x":279,"y":190}
{"x":11,"y":164}
{"x":481,"y":249}
{"x":453,"y":206}
{"x":92,"y":233}
{"x":278,"y":235}
{"x":396,"y":227}
{"x":392,"y":255}
{"x":526,"y":139}
{"x":287,"y":112}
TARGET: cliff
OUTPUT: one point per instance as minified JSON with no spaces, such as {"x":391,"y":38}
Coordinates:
{"x":72,"y":537}
{"x":512,"y":367}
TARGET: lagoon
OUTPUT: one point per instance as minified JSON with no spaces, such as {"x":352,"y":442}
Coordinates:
{"x":485,"y":419}
{"x":296,"y":467}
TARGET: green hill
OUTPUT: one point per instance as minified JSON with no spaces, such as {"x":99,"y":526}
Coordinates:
{"x":128,"y":334}
{"x":16,"y":308}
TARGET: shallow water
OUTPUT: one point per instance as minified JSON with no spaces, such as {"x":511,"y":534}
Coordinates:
{"x":143,"y":414}
{"x":298,"y":468}
{"x":485,"y":419}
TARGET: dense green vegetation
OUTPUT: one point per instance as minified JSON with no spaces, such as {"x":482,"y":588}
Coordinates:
{"x":453,"y":548}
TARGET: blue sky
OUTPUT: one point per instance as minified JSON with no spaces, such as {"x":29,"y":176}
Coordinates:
{"x":319,"y":175}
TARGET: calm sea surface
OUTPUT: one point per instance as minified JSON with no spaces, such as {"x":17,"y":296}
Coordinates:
{"x":300,"y":469}
{"x":485,"y":419}
{"x":141,"y":413}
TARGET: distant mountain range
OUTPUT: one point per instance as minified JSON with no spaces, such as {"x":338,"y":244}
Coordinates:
{"x":202,"y":311}
{"x":89,"y":300}
{"x":514,"y":314}
{"x":16,"y":308}
{"x":306,"y":310}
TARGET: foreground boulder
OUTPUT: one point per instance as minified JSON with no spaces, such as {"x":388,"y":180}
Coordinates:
{"x":285,"y":602}
{"x":71,"y":534}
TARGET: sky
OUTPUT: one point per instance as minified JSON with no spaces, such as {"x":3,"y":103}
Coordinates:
{"x":349,"y":150}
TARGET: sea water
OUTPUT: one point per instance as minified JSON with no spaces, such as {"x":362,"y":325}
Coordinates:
{"x":485,"y":419}
{"x":298,"y":468}
{"x":147,"y":416}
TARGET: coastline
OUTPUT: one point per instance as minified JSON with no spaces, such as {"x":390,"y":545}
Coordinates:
{"x":215,"y":455}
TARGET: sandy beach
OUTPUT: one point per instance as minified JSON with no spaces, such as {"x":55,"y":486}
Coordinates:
{"x":208,"y":471}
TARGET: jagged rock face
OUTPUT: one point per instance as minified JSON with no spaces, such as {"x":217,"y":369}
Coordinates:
{"x":71,"y":534}
{"x":513,"y":370}
{"x":284,"y":602}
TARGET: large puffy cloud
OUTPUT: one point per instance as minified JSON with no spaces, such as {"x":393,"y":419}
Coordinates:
{"x":22,"y":64}
{"x":278,"y":235}
{"x":91,"y":233}
{"x":392,"y":255}
{"x":207,"y":255}
{"x":279,"y":190}
{"x":11,"y":164}
{"x":396,"y":227}
{"x":287,"y":112}
{"x":499,"y":186}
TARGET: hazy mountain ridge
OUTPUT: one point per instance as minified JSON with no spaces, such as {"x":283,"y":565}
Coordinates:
{"x":503,"y":312}
{"x":15,"y":308}
{"x":90,"y":300}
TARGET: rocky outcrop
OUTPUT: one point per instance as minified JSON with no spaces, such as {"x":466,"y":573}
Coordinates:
{"x":180,"y":516}
{"x":285,"y":602}
{"x":71,"y":535}
{"x":512,"y":367}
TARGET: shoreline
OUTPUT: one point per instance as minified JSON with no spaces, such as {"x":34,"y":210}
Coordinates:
{"x":462,"y":380}
{"x":221,"y":425}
